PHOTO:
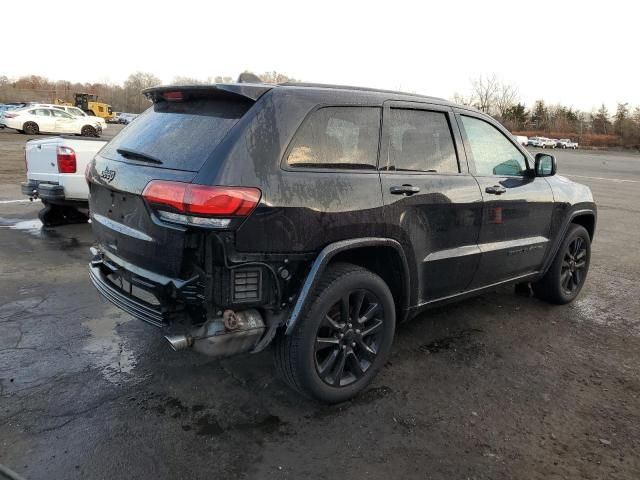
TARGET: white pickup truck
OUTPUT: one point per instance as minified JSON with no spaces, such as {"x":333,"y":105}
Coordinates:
{"x":55,"y":175}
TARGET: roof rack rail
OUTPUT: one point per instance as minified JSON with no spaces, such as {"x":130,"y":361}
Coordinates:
{"x":351,"y":87}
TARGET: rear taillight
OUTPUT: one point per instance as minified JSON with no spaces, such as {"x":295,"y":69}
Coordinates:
{"x":200,"y":205}
{"x":10,"y":115}
{"x":66,"y":160}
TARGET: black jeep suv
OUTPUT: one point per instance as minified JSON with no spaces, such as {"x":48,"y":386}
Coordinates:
{"x":318,"y":217}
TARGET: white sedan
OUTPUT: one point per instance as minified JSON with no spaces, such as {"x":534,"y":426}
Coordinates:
{"x":76,"y":112}
{"x":33,"y":120}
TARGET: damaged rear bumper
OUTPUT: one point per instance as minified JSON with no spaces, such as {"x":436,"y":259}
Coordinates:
{"x":150,"y":297}
{"x":160,"y":301}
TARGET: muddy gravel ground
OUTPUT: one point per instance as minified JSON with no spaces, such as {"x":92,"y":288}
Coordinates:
{"x":497,"y":387}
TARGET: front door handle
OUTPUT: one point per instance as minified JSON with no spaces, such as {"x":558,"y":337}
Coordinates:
{"x":404,"y":190}
{"x":496,"y":190}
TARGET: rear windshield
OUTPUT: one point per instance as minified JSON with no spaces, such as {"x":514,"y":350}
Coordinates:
{"x":181,"y":135}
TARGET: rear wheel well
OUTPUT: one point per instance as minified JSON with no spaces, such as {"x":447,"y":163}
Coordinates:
{"x":587,"y":221}
{"x":385,"y":262}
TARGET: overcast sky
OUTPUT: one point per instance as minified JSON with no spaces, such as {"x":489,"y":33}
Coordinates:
{"x":578,"y":53}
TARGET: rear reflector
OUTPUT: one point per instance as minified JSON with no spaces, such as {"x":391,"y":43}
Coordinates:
{"x":202,"y":200}
{"x":66,"y":160}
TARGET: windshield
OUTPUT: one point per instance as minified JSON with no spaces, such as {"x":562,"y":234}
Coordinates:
{"x":181,"y":135}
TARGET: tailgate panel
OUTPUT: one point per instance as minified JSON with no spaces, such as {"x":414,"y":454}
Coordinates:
{"x":122,"y":223}
{"x":42,"y":161}
{"x":124,"y":227}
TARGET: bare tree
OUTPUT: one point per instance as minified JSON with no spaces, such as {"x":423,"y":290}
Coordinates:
{"x":275,"y":77}
{"x":220,"y":79}
{"x":506,"y":98}
{"x":134,"y":85}
{"x":461,"y":99}
{"x":181,"y":80}
{"x":485,"y":92}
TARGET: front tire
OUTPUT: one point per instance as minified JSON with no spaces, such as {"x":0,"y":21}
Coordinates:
{"x":343,"y":339}
{"x":568,"y":272}
{"x":31,"y":128}
{"x":88,"y":131}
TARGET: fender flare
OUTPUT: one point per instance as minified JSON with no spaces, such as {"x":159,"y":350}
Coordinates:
{"x":324,"y":257}
{"x":563,"y":233}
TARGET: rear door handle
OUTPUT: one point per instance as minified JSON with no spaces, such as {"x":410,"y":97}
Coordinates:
{"x":404,"y":190}
{"x":496,"y":190}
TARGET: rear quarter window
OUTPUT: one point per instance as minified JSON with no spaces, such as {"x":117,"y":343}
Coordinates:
{"x":180,"y":134}
{"x":337,"y":137}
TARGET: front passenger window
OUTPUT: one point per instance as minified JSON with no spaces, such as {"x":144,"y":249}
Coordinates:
{"x":493,"y":153}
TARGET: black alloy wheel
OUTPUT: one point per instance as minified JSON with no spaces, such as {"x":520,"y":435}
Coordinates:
{"x":342,"y":339}
{"x":573,"y":270}
{"x":348,"y":338}
{"x":568,"y":271}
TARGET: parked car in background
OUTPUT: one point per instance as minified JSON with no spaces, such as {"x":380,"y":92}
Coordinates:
{"x":535,"y":142}
{"x":55,"y":175}
{"x":230,"y":234}
{"x":566,"y":143}
{"x":522,"y":140}
{"x":4,"y":108}
{"x":115,"y":118}
{"x":126,"y":118}
{"x":34,"y":120}
{"x":76,"y":112}
{"x":549,"y":143}
{"x":7,"y":107}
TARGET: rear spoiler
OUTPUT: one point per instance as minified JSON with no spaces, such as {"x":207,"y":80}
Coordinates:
{"x":249,"y":91}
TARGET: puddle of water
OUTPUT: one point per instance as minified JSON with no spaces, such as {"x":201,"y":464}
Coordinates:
{"x":108,"y":350}
{"x":34,"y":226}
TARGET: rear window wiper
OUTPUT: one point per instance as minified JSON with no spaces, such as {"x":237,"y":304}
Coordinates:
{"x":135,"y":155}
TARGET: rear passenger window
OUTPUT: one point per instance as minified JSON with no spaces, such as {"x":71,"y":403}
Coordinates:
{"x":421,"y":141}
{"x":337,"y":137}
{"x":41,"y":112}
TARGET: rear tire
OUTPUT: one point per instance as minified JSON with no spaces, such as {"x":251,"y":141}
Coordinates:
{"x":568,"y":272}
{"x":31,"y":128}
{"x":343,"y":339}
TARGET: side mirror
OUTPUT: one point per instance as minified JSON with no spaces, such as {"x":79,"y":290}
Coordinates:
{"x":546,"y":165}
